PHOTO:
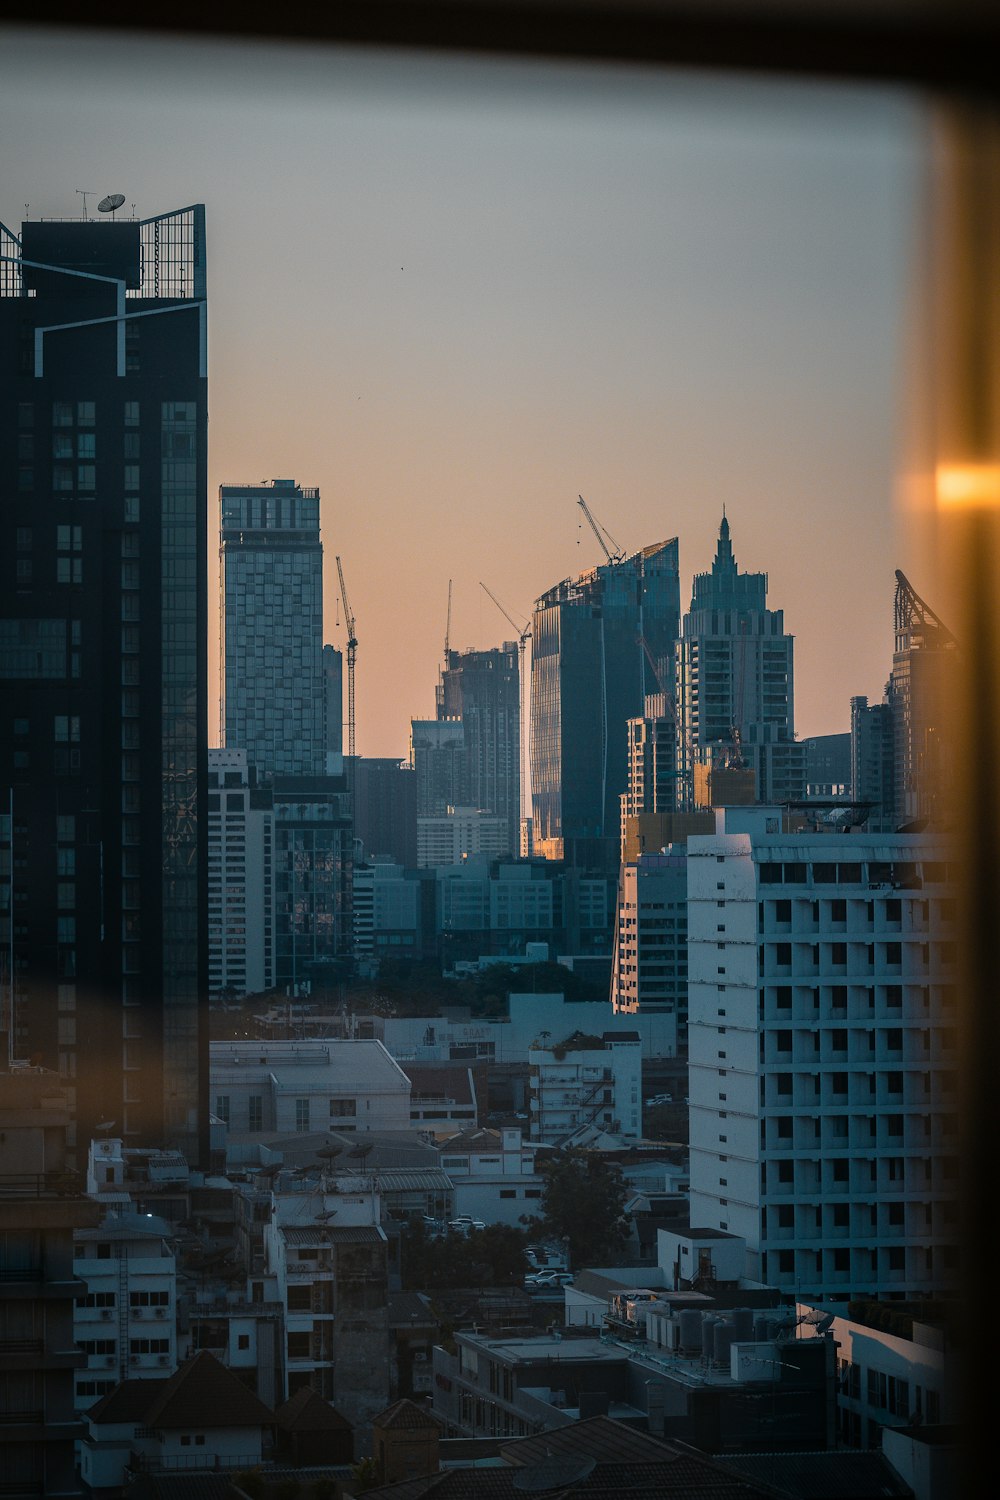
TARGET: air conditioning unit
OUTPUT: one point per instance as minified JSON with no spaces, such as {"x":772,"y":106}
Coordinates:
{"x":106,"y":1314}
{"x":110,"y":1361}
{"x":163,"y":1359}
{"x":161,"y":1312}
{"x":133,"y":1359}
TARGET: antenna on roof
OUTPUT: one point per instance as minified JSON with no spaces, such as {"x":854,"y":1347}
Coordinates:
{"x":112,"y":202}
{"x":83,"y":192}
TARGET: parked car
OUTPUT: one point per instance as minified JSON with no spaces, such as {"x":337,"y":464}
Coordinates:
{"x":464,"y":1223}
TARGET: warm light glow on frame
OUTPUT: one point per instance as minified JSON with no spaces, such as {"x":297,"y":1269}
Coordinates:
{"x":972,"y":486}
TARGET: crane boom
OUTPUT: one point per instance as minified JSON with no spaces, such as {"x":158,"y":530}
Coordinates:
{"x":612,"y":557}
{"x":352,"y":651}
{"x":447,"y":626}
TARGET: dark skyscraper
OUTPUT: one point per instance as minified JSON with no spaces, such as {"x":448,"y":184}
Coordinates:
{"x":103,"y":676}
{"x":923,"y":733}
{"x":735,"y":681}
{"x":589,"y":676}
{"x":482,"y":689}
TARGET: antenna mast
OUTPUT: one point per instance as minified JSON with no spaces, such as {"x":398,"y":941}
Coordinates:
{"x":352,"y":651}
{"x":447,"y":627}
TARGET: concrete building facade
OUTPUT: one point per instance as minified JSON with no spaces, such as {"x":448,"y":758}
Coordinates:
{"x":823,"y":1044}
{"x":241,"y":947}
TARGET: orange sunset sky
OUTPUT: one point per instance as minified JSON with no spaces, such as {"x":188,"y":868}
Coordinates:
{"x":456,"y":294}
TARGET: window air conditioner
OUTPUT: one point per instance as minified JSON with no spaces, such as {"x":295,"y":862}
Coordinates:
{"x":164,"y":1359}
{"x":161,"y":1312}
{"x":110,"y":1360}
{"x":106,"y":1314}
{"x":133,"y":1359}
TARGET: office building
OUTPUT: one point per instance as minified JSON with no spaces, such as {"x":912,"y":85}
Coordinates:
{"x":924,"y":743}
{"x":241,"y":946}
{"x":873,"y":761}
{"x":650,"y":967}
{"x":276,"y":689}
{"x":482,"y":688}
{"x":437,"y":754}
{"x":735,"y":701}
{"x":333,"y":706}
{"x":590,"y":673}
{"x":822,"y":1027}
{"x":313,"y":881}
{"x":828,"y":766}
{"x":461,"y":833}
{"x":385,"y":809}
{"x":103,"y":685}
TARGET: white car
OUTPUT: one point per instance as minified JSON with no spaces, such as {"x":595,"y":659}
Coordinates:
{"x":464,"y":1223}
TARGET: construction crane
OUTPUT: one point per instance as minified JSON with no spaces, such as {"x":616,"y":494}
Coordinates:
{"x":352,"y":651}
{"x":522,"y":636}
{"x":612,"y":557}
{"x":447,"y":626}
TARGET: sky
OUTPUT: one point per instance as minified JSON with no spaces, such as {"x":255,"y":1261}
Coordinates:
{"x":455,"y":294}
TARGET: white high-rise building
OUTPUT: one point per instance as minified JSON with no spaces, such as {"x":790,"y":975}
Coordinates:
{"x":822,"y":1054}
{"x":240,"y":878}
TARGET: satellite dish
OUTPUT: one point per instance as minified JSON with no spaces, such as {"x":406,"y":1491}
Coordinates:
{"x":110,"y":203}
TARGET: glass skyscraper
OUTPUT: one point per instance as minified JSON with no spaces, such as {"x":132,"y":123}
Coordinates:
{"x":272,"y":580}
{"x":591,"y":640}
{"x":103,"y":673}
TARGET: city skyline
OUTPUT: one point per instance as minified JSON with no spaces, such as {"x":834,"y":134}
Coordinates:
{"x":500,"y":285}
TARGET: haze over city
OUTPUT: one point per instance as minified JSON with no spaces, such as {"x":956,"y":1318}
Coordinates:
{"x":454,"y":295}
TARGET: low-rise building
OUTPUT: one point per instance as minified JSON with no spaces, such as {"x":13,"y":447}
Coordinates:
{"x":201,"y":1418}
{"x":42,"y":1205}
{"x":495,"y":1174}
{"x":269,"y":1088}
{"x":586,"y":1080}
{"x":126,"y":1321}
{"x":328,"y":1253}
{"x":887,"y":1378}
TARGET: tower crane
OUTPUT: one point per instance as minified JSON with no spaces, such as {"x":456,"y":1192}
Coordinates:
{"x":352,"y":651}
{"x":612,"y":557}
{"x":522,"y":738}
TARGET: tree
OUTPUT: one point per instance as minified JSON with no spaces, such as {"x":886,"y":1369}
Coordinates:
{"x":582,"y":1203}
{"x":493,"y":1256}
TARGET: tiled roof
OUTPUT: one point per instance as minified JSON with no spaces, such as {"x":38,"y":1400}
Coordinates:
{"x":864,"y":1475}
{"x":128,"y":1402}
{"x":682,"y":1477}
{"x":305,"y":1235}
{"x":407,"y":1308}
{"x":203,"y":1393}
{"x":306,"y":1411}
{"x":415,"y":1179}
{"x":599,"y":1437}
{"x":406,"y":1413}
